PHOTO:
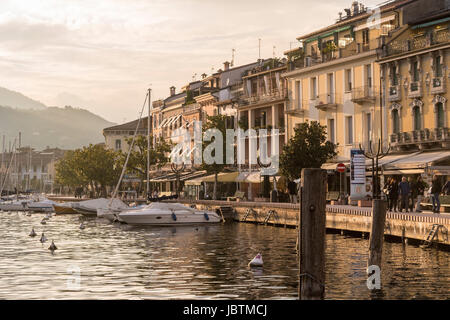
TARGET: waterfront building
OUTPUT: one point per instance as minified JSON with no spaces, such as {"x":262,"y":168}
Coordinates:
{"x":261,"y":106}
{"x":414,"y":68}
{"x":333,"y":78}
{"x":30,"y":169}
{"x":116,"y":136}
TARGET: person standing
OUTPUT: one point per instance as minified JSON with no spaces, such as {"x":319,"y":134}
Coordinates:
{"x":421,"y":187}
{"x":292,"y":187}
{"x":393,"y":195}
{"x":436,"y":188}
{"x":404,"y":190}
{"x":446,"y":187}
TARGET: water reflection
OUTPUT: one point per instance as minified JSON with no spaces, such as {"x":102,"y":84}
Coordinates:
{"x":204,"y":262}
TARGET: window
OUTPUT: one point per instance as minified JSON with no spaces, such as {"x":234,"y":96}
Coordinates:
{"x":298,"y":93}
{"x":395,"y":121}
{"x":415,"y":71}
{"x":349,"y":129}
{"x":365,"y":35}
{"x":440,"y":115}
{"x":368,"y":126}
{"x":369,"y":75}
{"x":438,"y":66}
{"x":417,"y":118}
{"x":348,"y":80}
{"x":394,"y":76}
{"x":118,"y":144}
{"x":330,"y":129}
{"x":313,"y":88}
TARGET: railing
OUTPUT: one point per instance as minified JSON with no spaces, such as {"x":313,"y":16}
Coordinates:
{"x":420,"y":136}
{"x":418,"y":42}
{"x":272,"y":95}
{"x":191,"y":107}
{"x":325,"y":101}
{"x":364,"y":93}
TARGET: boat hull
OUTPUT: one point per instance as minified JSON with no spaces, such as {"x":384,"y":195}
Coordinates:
{"x":167,"y":219}
{"x":13,"y":207}
{"x":86,"y":212}
{"x":63,"y":210}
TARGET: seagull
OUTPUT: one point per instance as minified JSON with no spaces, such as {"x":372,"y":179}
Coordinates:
{"x":257,"y":261}
{"x":52,"y":247}
{"x":43,"y":238}
{"x":32,"y":233}
{"x":82,"y":226}
{"x":43,"y":221}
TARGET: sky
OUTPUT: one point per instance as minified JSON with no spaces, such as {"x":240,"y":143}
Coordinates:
{"x":102,"y":55}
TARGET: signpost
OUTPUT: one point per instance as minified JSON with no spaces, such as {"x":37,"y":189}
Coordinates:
{"x":341,"y":168}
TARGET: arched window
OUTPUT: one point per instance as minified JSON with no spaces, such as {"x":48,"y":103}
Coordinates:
{"x":440,"y":115}
{"x":417,"y":118}
{"x":395,"y":121}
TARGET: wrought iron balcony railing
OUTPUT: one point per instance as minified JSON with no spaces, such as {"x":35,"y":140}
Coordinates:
{"x":425,"y":40}
{"x":364,"y":94}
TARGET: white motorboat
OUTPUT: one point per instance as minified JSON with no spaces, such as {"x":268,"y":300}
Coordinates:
{"x":41,"y":206}
{"x":112,"y":214}
{"x":17,"y":205}
{"x":168,"y":214}
{"x":89,"y":207}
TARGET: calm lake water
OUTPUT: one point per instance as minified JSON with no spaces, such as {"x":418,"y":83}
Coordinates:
{"x":206,"y":262}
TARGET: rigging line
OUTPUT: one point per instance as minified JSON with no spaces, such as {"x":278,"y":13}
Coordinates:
{"x":7,"y":170}
{"x":129,"y":151}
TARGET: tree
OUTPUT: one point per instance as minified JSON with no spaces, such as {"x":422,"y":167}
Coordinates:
{"x":215,"y":122}
{"x":93,"y":165}
{"x":308,"y":148}
{"x":137,"y":163}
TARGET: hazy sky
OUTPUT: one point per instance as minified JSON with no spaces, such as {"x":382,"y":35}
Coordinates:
{"x":103,"y":54}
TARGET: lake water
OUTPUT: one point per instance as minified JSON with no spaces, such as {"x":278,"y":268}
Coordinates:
{"x":106,"y":261}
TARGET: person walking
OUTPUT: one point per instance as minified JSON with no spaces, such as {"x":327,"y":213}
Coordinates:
{"x":420,"y":187}
{"x":393,"y":195}
{"x":404,"y":190}
{"x":292,"y":187}
{"x":436,"y":188}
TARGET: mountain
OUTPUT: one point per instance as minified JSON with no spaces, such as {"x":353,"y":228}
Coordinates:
{"x":17,"y":100}
{"x":65,"y":128}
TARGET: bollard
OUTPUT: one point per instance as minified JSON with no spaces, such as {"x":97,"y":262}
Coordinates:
{"x":376,"y":234}
{"x":312,"y":234}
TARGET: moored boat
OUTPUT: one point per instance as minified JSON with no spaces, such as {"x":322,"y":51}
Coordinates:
{"x":168,"y":214}
{"x":41,"y":206}
{"x":89,"y":207}
{"x":64,"y":208}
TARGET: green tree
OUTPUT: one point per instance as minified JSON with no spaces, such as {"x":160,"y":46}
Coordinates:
{"x":215,"y":122}
{"x":137,"y":163}
{"x":308,"y":148}
{"x":68,"y":170}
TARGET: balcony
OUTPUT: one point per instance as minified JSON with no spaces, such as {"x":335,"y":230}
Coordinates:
{"x":417,"y":42}
{"x":365,"y":94}
{"x":415,"y":90}
{"x":438,"y":85}
{"x":421,"y":139}
{"x":395,"y":93}
{"x":326,"y":102}
{"x":294,"y":108}
{"x":272,"y":96}
{"x":192,"y":107}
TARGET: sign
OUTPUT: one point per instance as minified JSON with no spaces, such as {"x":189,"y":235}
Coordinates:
{"x":357,"y":175}
{"x":341,"y":167}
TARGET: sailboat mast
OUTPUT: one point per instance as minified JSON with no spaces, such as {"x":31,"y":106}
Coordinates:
{"x":148,"y":140}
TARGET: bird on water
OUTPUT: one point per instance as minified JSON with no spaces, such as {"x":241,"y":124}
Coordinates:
{"x":32,"y":233}
{"x":43,"y":238}
{"x":52,"y":247}
{"x":257,"y":261}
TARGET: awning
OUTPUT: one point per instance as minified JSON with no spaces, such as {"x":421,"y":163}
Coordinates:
{"x":418,"y":160}
{"x":431,"y":23}
{"x":331,"y":166}
{"x":221,"y":177}
{"x":400,"y":172}
{"x":390,"y":159}
{"x":251,"y":177}
{"x":163,"y":123}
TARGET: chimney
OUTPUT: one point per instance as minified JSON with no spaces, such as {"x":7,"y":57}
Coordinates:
{"x":172,"y":91}
{"x":226,"y":65}
{"x":355,"y":7}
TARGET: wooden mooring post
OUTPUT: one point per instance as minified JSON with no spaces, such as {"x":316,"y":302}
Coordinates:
{"x":376,"y":243}
{"x":312,"y":234}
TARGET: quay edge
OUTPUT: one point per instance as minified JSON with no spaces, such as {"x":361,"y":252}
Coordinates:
{"x":415,"y":226}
